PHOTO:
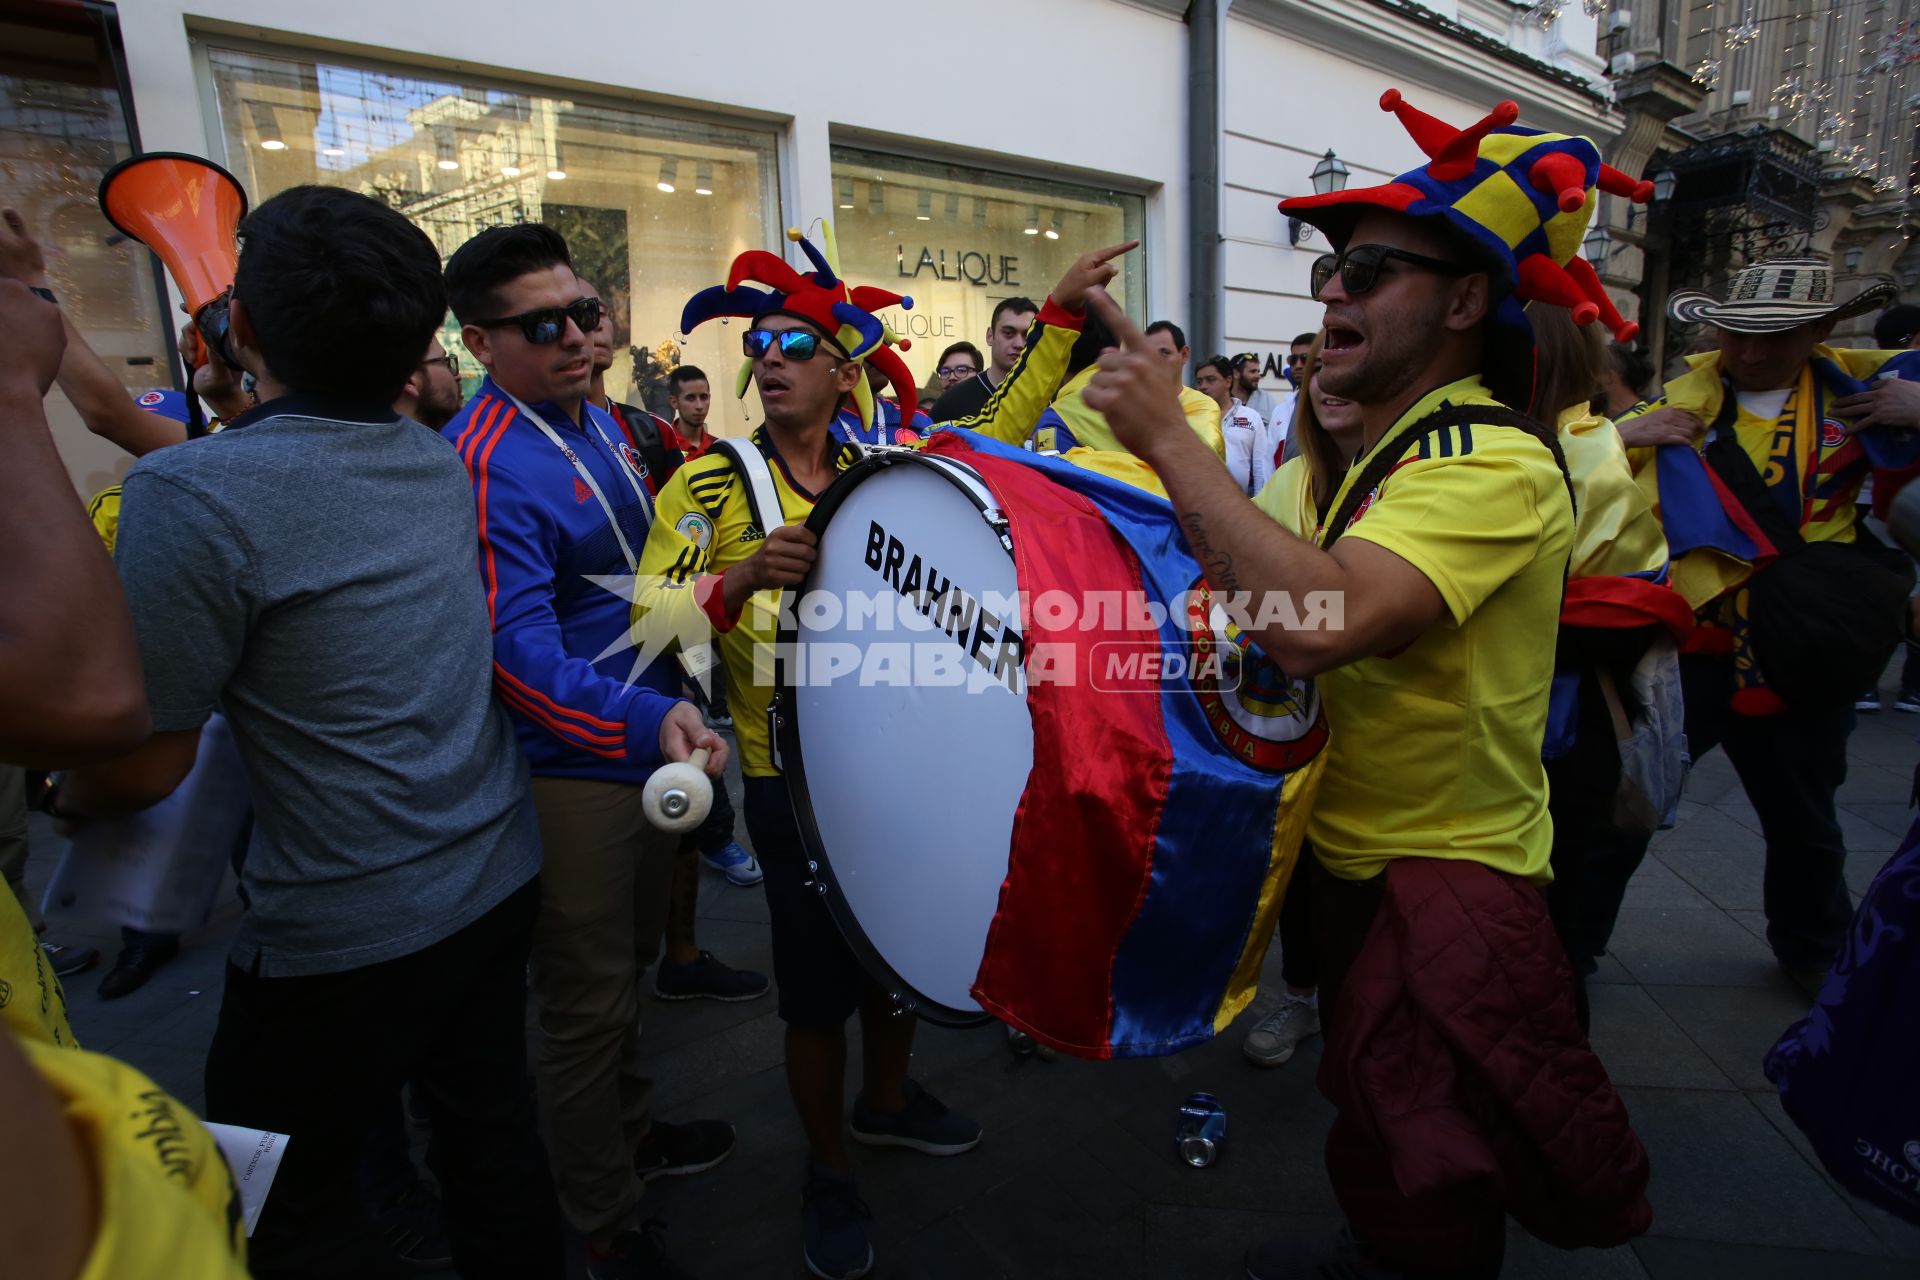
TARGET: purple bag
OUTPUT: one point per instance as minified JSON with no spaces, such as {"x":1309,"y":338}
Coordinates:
{"x":1849,"y":1072}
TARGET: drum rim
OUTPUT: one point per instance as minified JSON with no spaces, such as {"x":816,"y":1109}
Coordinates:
{"x":793,"y":768}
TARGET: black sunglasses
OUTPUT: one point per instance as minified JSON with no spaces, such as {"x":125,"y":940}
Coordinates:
{"x":450,"y":360}
{"x":795,"y":344}
{"x":1359,"y":267}
{"x":544,"y":326}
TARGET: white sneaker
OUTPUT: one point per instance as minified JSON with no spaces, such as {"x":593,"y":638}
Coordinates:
{"x":1277,"y":1035}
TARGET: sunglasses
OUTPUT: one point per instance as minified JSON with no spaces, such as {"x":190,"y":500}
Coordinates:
{"x":544,"y":326}
{"x":795,"y":344}
{"x":449,"y":359}
{"x":1359,"y":267}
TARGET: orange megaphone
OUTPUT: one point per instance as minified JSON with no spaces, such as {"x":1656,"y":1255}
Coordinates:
{"x":186,"y":210}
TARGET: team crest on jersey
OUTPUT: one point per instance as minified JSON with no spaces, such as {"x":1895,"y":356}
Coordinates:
{"x":1832,"y":434}
{"x":1266,"y":719}
{"x":634,"y":460}
{"x":696,"y":528}
{"x":905,"y":435}
{"x":151,"y":397}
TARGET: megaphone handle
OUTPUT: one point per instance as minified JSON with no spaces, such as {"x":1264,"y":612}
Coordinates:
{"x":196,"y":416}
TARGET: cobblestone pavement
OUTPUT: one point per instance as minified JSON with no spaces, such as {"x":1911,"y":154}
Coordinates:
{"x":1077,"y":1175}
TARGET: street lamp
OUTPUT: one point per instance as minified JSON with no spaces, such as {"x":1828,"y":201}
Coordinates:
{"x":1328,"y":176}
{"x":1663,"y":185}
{"x":1854,"y":256}
{"x":1598,"y":246}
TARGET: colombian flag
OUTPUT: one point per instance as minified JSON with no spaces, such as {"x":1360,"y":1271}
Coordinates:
{"x":1157,"y":831}
{"x":1700,"y":513}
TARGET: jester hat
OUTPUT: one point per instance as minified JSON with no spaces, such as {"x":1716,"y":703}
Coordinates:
{"x":844,"y":313}
{"x":1524,"y":197}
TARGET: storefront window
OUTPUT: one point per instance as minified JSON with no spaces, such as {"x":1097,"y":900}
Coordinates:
{"x":958,"y":240}
{"x":653,"y":207}
{"x":63,"y":124}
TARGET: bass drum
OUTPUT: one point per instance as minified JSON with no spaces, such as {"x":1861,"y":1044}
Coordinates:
{"x":902,"y":721}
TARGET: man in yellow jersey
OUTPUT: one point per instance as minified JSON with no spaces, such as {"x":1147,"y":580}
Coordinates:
{"x":704,"y":536}
{"x":1777,"y":390}
{"x":1448,"y":542}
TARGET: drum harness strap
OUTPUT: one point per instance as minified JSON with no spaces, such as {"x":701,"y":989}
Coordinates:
{"x":1385,"y":459}
{"x":763,"y":496}
{"x":763,"y":504}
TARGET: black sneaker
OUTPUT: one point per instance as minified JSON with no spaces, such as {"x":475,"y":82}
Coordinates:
{"x":414,"y":1229}
{"x":635,"y":1255}
{"x":926,"y":1125}
{"x":670,"y":1150}
{"x":1810,"y":978}
{"x":69,"y":960}
{"x":707,"y":979}
{"x":138,"y":961}
{"x":834,"y":1219}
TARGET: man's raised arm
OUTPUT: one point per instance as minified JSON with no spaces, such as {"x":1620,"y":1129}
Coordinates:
{"x":70,"y":687}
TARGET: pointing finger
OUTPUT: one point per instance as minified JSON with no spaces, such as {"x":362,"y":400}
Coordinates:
{"x":1113,"y":251}
{"x":1118,"y":322}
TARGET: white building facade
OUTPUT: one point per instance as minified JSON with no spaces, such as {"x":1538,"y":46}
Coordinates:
{"x":964,"y":156}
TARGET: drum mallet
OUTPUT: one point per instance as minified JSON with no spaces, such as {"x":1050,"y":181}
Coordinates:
{"x":678,"y":796}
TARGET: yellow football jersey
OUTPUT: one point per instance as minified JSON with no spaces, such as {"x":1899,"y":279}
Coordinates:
{"x":167,"y":1202}
{"x":1435,"y":750}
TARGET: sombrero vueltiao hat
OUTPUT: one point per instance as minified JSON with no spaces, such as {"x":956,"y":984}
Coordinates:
{"x":1777,"y":295}
{"x":844,"y":313}
{"x":1523,"y":196}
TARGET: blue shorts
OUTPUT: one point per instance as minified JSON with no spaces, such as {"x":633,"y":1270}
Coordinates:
{"x":821,"y":983}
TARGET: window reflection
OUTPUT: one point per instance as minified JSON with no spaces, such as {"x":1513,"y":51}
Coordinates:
{"x":958,"y":240}
{"x":653,"y":207}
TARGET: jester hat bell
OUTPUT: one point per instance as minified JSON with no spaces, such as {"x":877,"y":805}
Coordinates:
{"x":1522,"y":196}
{"x":844,"y":313}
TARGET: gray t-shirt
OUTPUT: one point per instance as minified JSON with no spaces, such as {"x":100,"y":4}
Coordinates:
{"x":310,"y":573}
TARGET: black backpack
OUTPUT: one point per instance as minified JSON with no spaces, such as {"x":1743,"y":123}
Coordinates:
{"x":643,"y":432}
{"x":1826,"y":616}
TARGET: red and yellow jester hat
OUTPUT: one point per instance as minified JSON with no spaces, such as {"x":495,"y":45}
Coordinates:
{"x":845,"y":314}
{"x":1522,"y":195}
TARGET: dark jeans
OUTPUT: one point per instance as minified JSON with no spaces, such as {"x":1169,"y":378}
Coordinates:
{"x":1582,"y":783}
{"x":1297,"y":967}
{"x":716,"y":829}
{"x":322,"y":1059}
{"x":1791,"y":765}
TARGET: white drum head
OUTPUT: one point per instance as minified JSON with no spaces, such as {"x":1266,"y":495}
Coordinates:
{"x":910,"y":736}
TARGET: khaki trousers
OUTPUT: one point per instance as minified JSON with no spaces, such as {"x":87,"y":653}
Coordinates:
{"x":603,"y":906}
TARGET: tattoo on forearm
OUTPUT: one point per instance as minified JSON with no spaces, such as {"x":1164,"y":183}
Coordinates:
{"x":1215,"y":563}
